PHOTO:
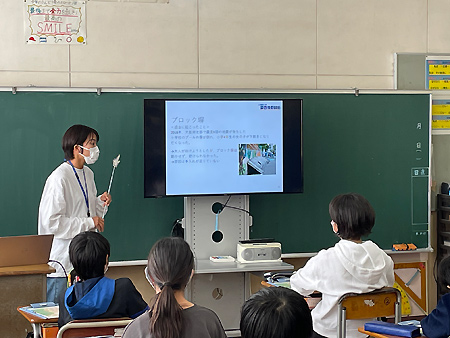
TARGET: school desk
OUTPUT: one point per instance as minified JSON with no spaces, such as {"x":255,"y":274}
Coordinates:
{"x":379,"y":335}
{"x":36,"y":321}
{"x":311,"y":301}
{"x":20,"y":285}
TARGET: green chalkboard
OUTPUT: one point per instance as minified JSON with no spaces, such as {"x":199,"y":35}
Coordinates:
{"x":374,"y":144}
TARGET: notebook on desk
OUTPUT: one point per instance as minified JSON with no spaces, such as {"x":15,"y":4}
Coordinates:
{"x":25,"y":250}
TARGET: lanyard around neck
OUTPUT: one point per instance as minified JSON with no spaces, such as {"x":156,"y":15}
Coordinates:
{"x":85,"y":193}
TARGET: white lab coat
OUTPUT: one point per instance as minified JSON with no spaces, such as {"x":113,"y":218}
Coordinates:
{"x":346,"y":267}
{"x":63,"y":211}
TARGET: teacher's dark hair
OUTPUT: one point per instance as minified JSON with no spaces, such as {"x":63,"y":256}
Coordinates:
{"x":170,"y":264}
{"x":87,"y":252}
{"x":276,"y":312}
{"x":76,"y":135}
{"x":353,"y":215}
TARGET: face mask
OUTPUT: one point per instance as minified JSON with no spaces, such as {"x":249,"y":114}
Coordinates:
{"x":148,"y":277}
{"x":94,"y":153}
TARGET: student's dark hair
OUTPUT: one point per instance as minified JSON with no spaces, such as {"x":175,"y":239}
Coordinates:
{"x":170,"y":264}
{"x":444,"y":272}
{"x":276,"y":312}
{"x":76,"y":135}
{"x":87,"y":253}
{"x":353,"y":215}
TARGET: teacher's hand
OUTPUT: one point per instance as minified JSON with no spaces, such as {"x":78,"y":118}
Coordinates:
{"x":99,"y":223}
{"x":105,"y":197}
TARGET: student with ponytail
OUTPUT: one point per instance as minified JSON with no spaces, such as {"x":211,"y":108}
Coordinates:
{"x":169,"y":269}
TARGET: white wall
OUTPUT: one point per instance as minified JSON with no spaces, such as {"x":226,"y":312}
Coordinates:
{"x":285,"y":44}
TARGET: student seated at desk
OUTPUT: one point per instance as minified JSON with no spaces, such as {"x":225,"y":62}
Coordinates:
{"x":169,"y":269}
{"x":96,"y":296}
{"x":276,"y":312}
{"x":437,"y":323}
{"x":350,"y":266}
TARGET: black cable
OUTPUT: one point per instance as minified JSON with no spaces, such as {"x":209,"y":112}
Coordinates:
{"x":65,"y":273}
{"x":227,"y":206}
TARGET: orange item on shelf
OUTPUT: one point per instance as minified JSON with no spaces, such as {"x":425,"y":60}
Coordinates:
{"x":404,"y":247}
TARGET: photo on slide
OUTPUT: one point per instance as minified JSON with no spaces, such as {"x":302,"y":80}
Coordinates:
{"x":257,"y":159}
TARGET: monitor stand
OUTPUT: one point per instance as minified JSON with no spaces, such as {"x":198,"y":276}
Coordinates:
{"x":200,"y":224}
{"x":221,"y":286}
{"x":223,"y":292}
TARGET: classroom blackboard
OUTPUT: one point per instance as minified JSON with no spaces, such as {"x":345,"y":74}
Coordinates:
{"x":373,"y":144}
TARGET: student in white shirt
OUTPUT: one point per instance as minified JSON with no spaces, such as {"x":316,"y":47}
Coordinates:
{"x":350,"y":266}
{"x":69,"y":202}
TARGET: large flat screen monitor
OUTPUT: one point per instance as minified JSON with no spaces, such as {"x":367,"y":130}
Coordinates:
{"x":222,"y":146}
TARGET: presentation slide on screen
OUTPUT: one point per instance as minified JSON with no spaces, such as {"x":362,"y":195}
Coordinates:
{"x":215,"y":147}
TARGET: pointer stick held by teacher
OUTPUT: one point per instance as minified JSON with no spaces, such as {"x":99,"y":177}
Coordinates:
{"x":116,"y":162}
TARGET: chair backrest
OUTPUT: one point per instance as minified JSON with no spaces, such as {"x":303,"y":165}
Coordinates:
{"x":379,"y":303}
{"x":92,"y":327}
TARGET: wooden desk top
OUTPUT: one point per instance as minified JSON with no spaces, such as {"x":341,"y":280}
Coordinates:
{"x":35,"y":319}
{"x":26,"y":270}
{"x":311,"y":301}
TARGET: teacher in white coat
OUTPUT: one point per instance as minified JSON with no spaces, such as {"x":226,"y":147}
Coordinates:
{"x":69,"y":202}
